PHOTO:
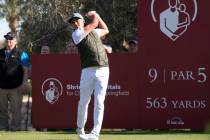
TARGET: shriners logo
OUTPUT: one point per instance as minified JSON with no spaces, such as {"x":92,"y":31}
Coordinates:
{"x":52,"y":89}
{"x":175,"y":17}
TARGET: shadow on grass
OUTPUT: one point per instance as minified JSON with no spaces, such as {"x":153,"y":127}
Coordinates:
{"x":136,"y":132}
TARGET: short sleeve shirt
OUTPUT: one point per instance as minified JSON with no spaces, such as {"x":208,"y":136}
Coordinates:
{"x":79,"y":34}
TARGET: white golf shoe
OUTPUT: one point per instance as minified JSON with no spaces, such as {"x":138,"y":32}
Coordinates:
{"x":81,"y":134}
{"x":92,"y":136}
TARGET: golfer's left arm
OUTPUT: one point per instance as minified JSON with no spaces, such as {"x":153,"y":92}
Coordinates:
{"x":102,"y":27}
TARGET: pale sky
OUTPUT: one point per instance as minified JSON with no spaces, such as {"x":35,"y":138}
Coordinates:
{"x":3,"y":28}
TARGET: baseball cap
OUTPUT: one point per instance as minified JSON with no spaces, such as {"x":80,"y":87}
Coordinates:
{"x":75,"y":15}
{"x":9,"y":36}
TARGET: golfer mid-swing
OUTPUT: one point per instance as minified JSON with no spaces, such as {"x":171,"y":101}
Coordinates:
{"x":95,"y":70}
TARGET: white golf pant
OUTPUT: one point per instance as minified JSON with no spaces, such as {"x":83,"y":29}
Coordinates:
{"x":93,"y":80}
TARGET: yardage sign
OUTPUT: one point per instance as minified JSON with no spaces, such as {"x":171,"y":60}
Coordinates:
{"x":175,"y":52}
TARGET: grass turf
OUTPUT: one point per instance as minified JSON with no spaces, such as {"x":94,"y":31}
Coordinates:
{"x":130,"y":135}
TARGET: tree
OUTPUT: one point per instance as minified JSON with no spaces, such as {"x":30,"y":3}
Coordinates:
{"x":10,"y":9}
{"x":45,"y":23}
{"x":120,"y":16}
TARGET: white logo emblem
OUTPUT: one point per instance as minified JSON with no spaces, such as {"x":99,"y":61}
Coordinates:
{"x":52,"y":89}
{"x":175,"y":19}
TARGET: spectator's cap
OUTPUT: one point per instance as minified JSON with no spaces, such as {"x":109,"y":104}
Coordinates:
{"x":133,"y":42}
{"x":74,"y":16}
{"x":9,"y":36}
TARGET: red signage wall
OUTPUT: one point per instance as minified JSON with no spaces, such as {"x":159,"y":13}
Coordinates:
{"x":60,"y":109}
{"x":164,"y":85}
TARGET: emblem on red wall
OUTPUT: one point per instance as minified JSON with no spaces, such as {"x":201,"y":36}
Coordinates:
{"x":52,"y":89}
{"x":175,"y":17}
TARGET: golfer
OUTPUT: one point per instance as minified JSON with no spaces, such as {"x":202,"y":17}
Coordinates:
{"x":95,"y":70}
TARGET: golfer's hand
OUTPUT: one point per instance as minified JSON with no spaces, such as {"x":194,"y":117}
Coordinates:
{"x":91,"y":14}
